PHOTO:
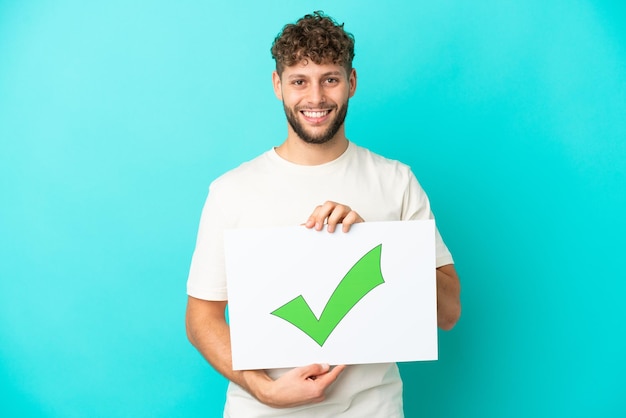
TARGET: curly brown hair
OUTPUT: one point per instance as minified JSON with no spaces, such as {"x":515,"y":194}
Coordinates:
{"x":314,"y":37}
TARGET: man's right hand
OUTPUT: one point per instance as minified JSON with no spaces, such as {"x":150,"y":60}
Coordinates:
{"x":209,"y":333}
{"x":299,"y":386}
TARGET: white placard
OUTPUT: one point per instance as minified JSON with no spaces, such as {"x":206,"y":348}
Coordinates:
{"x":355,"y":317}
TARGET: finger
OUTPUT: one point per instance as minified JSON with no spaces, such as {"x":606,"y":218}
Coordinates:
{"x":327,"y":378}
{"x":325,"y":214}
{"x":320,"y":214}
{"x":313,"y":371}
{"x":310,"y":222}
{"x":337,"y":216}
{"x":350,"y":219}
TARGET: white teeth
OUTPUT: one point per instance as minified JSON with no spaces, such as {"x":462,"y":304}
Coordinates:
{"x":315,"y":114}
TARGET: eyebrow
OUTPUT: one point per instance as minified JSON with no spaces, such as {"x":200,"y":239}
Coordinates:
{"x":326,"y":74}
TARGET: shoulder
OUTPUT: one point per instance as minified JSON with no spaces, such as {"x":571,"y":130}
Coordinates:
{"x":242,"y":174}
{"x":373,"y":161}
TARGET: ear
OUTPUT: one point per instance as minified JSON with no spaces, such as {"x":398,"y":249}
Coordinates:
{"x":352,"y":81}
{"x":278,"y":91}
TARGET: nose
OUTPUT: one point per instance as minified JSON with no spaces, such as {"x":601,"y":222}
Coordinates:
{"x":316,"y":94}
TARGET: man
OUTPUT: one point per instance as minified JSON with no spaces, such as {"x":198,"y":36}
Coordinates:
{"x":319,"y":178}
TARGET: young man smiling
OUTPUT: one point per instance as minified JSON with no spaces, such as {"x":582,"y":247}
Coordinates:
{"x":315,"y":98}
{"x":319,"y":177}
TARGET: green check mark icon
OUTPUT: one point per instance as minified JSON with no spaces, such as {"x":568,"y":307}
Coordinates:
{"x":363,"y":277}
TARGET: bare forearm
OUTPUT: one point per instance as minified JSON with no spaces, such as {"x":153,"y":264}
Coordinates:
{"x":448,"y":297}
{"x":209,"y":333}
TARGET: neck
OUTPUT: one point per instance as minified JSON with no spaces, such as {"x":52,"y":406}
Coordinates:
{"x":295,"y":150}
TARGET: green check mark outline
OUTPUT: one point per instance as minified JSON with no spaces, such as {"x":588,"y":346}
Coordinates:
{"x":362,"y":278}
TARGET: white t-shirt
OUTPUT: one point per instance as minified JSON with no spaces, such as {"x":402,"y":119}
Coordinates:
{"x":270,"y":191}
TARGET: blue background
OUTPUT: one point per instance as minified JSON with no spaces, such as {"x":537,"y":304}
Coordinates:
{"x":115,"y":116}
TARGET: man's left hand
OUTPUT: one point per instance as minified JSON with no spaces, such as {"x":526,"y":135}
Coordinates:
{"x":333,"y":213}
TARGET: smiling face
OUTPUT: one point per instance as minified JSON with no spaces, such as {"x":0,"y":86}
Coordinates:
{"x":315,"y":98}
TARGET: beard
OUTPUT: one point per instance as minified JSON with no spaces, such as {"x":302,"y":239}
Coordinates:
{"x":323,"y":137}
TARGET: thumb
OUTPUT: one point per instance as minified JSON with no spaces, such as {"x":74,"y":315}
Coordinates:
{"x":314,"y":370}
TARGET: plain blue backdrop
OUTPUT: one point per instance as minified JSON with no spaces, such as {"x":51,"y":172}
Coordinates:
{"x":115,"y":117}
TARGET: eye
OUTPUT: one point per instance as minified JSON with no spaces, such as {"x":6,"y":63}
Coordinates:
{"x":298,"y":82}
{"x":332,"y":80}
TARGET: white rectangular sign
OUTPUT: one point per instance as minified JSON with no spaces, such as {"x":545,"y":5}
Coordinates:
{"x":298,"y":296}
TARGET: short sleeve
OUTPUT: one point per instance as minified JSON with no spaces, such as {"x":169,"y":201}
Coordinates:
{"x":416,"y":205}
{"x":207,"y":274}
